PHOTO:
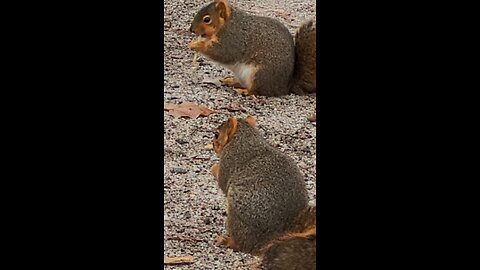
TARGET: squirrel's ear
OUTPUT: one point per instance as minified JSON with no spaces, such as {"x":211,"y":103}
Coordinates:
{"x":222,"y":8}
{"x":251,"y":121}
{"x":232,"y":127}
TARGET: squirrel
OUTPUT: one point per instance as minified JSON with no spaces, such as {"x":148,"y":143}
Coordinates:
{"x":260,"y":51}
{"x":265,"y":192}
{"x":292,"y":251}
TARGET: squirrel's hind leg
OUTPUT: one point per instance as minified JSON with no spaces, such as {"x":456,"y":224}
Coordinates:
{"x":232,"y":82}
{"x":244,"y":91}
{"x":215,"y":170}
{"x":237,"y":86}
{"x":226,"y":241}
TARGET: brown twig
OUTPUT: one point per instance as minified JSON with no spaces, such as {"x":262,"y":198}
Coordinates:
{"x":179,"y":260}
{"x":185,"y":239}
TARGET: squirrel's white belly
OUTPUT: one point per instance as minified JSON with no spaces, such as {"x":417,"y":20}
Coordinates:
{"x":244,"y":73}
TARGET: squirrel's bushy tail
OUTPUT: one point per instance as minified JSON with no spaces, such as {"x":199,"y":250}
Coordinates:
{"x":306,"y":219}
{"x":294,"y":250}
{"x":304,"y":77}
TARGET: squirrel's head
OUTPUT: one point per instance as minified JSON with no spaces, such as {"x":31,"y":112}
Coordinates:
{"x":210,"y":18}
{"x":226,"y":131}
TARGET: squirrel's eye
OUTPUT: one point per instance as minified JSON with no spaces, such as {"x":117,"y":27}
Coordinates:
{"x":216,"y":135}
{"x":206,"y":19}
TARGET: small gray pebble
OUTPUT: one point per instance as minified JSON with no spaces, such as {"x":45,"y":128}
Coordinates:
{"x":181,"y":141}
{"x":207,"y":221}
{"x":178,"y":170}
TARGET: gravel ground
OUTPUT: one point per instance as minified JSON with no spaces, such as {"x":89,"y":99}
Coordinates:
{"x":193,"y":204}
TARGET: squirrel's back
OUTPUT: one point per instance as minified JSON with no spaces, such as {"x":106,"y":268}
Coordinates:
{"x":264,"y":43}
{"x":264,"y":39}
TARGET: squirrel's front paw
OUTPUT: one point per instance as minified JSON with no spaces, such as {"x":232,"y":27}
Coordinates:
{"x":202,"y":44}
{"x":197,"y":45}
